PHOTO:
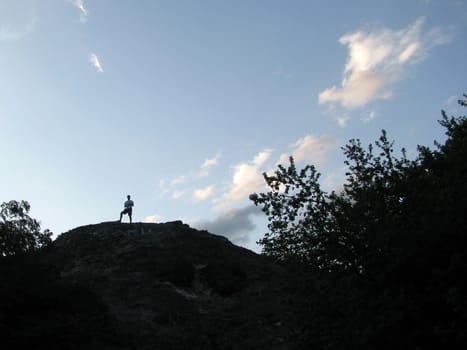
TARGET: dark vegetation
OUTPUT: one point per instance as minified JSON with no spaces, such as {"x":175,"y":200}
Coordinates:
{"x":380,"y":265}
{"x":140,"y":286}
{"x":38,"y":309}
{"x":19,"y":233}
{"x":383,"y":263}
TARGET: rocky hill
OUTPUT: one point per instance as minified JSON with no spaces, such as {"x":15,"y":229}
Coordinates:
{"x":156,"y":286}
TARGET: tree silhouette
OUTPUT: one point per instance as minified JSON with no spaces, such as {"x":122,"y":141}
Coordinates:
{"x":381,"y":264}
{"x":19,"y":232}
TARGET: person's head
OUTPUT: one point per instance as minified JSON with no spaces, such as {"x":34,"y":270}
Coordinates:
{"x":128,"y":196}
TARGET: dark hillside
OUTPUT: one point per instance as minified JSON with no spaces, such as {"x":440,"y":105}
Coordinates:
{"x":168,"y":286}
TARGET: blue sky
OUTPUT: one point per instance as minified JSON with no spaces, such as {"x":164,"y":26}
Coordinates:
{"x":183,"y":104}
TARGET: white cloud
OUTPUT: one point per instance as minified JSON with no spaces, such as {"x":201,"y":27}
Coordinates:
{"x":377,"y":59}
{"x":247,"y":178}
{"x":94,"y":60}
{"x":262,"y":157}
{"x":201,"y":194}
{"x":79,"y":4}
{"x":152,"y":218}
{"x":310,"y":149}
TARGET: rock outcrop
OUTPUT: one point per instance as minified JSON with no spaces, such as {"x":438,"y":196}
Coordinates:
{"x":168,"y":286}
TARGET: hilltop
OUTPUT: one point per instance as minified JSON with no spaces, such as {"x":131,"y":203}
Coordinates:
{"x":156,"y":286}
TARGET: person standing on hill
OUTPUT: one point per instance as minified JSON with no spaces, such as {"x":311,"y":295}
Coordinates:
{"x":128,"y":208}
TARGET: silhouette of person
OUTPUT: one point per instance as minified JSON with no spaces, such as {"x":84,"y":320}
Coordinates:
{"x":128,"y":208}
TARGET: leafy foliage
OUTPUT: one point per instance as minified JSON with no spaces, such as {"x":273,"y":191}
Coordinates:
{"x":383,"y":262}
{"x":19,"y":232}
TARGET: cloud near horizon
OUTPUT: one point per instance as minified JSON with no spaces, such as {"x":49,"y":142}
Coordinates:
{"x":94,"y":60}
{"x":377,"y":59}
{"x":152,"y":218}
{"x":235,"y":224}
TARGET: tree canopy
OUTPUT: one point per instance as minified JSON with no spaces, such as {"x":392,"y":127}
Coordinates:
{"x":19,"y":232}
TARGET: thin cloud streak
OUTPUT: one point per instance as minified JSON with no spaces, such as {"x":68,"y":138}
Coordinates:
{"x":94,"y":60}
{"x":79,"y":4}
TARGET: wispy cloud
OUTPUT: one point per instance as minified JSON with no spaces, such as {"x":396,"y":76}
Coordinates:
{"x":187,"y":180}
{"x":94,"y":60}
{"x":177,"y":194}
{"x":201,"y":194}
{"x":79,"y":4}
{"x":208,"y":164}
{"x":377,"y":59}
